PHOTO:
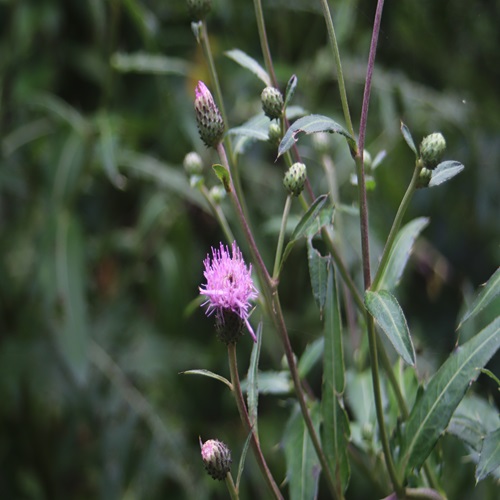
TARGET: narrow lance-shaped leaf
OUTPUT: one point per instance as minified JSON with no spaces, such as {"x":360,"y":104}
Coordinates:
{"x":250,"y":63}
{"x":489,"y":460}
{"x":208,"y":373}
{"x":313,"y":124}
{"x":408,"y":138}
{"x":290,"y":89}
{"x":485,"y":296}
{"x":335,"y":433}
{"x":433,"y":411}
{"x":252,"y":388}
{"x":318,"y":272}
{"x":388,"y":314}
{"x":302,"y":464}
{"x":400,"y":253}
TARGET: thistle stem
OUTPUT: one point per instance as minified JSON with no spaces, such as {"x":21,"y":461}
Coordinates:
{"x":264,"y":44}
{"x":242,"y":409}
{"x":233,"y":492}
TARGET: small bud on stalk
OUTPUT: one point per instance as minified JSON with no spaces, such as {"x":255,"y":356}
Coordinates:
{"x":432,"y":149}
{"x":217,"y":458}
{"x":272,"y":102}
{"x":274,"y":133}
{"x":198,"y":9}
{"x":208,"y":117}
{"x":193,"y":164}
{"x":295,"y":179}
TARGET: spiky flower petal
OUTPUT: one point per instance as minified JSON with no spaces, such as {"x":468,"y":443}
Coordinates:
{"x":208,"y":117}
{"x":217,"y":458}
{"x":229,"y":290}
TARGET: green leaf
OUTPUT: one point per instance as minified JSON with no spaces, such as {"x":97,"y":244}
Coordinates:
{"x":485,"y":296}
{"x":408,"y":138}
{"x":309,"y":125}
{"x":302,"y":464}
{"x":311,"y":355}
{"x":107,"y":151}
{"x":290,"y":89}
{"x":272,"y":382}
{"x":223,"y":175}
{"x":318,"y":272}
{"x":249,"y":63}
{"x":243,"y":457}
{"x":305,"y":224}
{"x":388,"y":314}
{"x":444,"y":172}
{"x":335,"y":435}
{"x":252,"y":379}
{"x":489,"y":460}
{"x":152,"y":64}
{"x":73,"y":336}
{"x":400,"y":253}
{"x":208,"y":373}
{"x":432,"y":412}
{"x":255,"y":128}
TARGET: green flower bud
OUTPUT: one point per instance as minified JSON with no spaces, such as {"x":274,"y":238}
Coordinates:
{"x":193,"y":164}
{"x":274,"y":133}
{"x":217,"y":458}
{"x":272,"y":102}
{"x":217,"y":193}
{"x":295,"y":179}
{"x":229,"y":326}
{"x":432,"y":149}
{"x":198,"y":9}
{"x":208,"y":117}
{"x":424,"y":178}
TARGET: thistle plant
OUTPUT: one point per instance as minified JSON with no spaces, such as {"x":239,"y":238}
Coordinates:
{"x":329,"y":434}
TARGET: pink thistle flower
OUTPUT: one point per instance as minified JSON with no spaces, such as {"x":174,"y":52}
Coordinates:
{"x":208,"y":117}
{"x":229,"y":289}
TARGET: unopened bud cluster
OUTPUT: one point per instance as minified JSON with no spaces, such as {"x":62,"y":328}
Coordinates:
{"x":295,"y":178}
{"x":208,"y":117}
{"x":272,"y":102}
{"x":198,"y":9}
{"x":217,"y":458}
{"x":432,"y":149}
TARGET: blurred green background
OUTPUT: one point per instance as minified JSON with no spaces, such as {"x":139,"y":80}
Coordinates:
{"x":102,"y":238}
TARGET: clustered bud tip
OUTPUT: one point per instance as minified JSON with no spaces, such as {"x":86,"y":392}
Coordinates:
{"x":198,"y":9}
{"x":272,"y":102}
{"x":295,"y":178}
{"x":217,"y":458}
{"x":432,"y":149}
{"x":274,"y":132}
{"x":208,"y":117}
{"x":193,"y":164}
{"x":424,"y":178}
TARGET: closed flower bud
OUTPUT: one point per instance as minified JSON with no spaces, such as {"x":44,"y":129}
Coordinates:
{"x":432,"y":149}
{"x":274,"y":132}
{"x":217,"y":194}
{"x":198,"y":9}
{"x":216,"y":457}
{"x":272,"y":102}
{"x":193,"y":164}
{"x":208,"y":117}
{"x":295,"y":178}
{"x":424,"y":178}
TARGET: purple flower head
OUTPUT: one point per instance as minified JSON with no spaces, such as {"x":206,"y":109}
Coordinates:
{"x":229,"y":286}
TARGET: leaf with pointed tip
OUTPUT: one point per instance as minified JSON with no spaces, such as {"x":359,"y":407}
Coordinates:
{"x":290,"y":89}
{"x":250,"y":63}
{"x":147,"y":63}
{"x":485,"y":296}
{"x":302,"y":464}
{"x":400,"y":252}
{"x":252,"y":379}
{"x":243,"y":457}
{"x":207,"y":373}
{"x":318,"y":272}
{"x":388,"y":314}
{"x":408,"y":138}
{"x":312,"y":124}
{"x":489,"y":460}
{"x":223,"y":176}
{"x":432,"y":412}
{"x":311,"y":355}
{"x":444,"y":172}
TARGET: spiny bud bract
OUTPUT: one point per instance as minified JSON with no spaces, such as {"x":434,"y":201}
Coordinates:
{"x":208,"y":117}
{"x":272,"y":102}
{"x":193,"y":164}
{"x":217,"y":458}
{"x":198,"y":9}
{"x":295,"y":178}
{"x":432,"y":149}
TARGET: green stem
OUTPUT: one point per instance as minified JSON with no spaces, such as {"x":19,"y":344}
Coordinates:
{"x":281,"y":237}
{"x":233,"y":492}
{"x":261,"y":26}
{"x":405,"y":202}
{"x":242,"y":409}
{"x":340,"y":73}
